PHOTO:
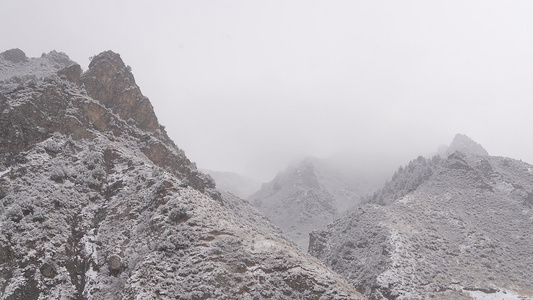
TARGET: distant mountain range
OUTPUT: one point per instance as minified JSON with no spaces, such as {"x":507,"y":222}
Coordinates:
{"x":307,"y":196}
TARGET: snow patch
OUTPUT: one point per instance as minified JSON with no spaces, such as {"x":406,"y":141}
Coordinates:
{"x":504,"y":187}
{"x":91,"y":251}
{"x":2,"y":173}
{"x":499,"y":295}
{"x":406,"y":199}
{"x":264,"y":245}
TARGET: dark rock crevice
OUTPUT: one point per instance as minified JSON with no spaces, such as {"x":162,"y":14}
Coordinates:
{"x":77,"y":263}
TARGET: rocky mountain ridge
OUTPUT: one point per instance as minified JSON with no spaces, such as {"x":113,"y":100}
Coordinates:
{"x":453,"y":228}
{"x":464,"y":144}
{"x":68,"y":90}
{"x":98,"y":203}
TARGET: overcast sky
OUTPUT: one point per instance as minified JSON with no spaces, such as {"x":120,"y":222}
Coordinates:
{"x":248,"y":86}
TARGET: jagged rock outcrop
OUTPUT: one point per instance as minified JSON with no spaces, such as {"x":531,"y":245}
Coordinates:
{"x":71,"y":73}
{"x":454,"y":228}
{"x":111,"y":82}
{"x":14,"y":55}
{"x":96,"y":202}
{"x":308,"y":196}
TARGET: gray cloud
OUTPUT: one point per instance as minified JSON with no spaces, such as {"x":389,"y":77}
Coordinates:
{"x":249,"y":86}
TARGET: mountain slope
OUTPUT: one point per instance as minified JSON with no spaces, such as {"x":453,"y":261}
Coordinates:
{"x":464,"y":144}
{"x":463,"y":229}
{"x":307,"y":196}
{"x":98,"y":203}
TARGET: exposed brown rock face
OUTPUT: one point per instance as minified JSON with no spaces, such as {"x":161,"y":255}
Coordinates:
{"x":71,"y":73}
{"x":22,"y":126}
{"x":43,"y":112}
{"x":111,"y":82}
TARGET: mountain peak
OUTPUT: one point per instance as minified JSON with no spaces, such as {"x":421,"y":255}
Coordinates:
{"x":465,"y":144}
{"x":111,"y":82}
{"x":108,"y":56}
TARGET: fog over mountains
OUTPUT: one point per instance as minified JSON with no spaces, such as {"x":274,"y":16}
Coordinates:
{"x":308,"y":195}
{"x":251,"y":87}
{"x":239,"y":185}
{"x":97,"y":202}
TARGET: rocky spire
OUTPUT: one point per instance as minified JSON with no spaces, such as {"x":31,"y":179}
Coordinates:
{"x":111,"y":82}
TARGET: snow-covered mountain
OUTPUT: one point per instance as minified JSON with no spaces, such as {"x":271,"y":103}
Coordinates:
{"x":234,"y":183}
{"x":463,"y":143}
{"x":307,"y":196}
{"x":459,"y":227}
{"x":98,"y":203}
